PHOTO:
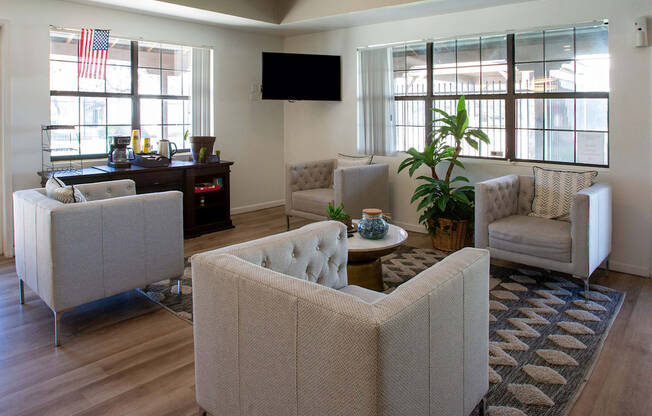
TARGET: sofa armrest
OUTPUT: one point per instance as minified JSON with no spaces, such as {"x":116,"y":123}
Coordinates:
{"x":360,"y":187}
{"x":591,"y":213}
{"x":494,"y":199}
{"x":267,"y":342}
{"x":442,"y":317}
{"x":307,"y":175}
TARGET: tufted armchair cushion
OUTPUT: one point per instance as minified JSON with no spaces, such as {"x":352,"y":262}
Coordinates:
{"x":311,"y":175}
{"x":525,"y":194}
{"x":494,"y":200}
{"x":316,"y":253}
{"x":105,"y":190}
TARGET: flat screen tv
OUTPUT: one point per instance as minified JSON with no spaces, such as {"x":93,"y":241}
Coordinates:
{"x":294,"y":76}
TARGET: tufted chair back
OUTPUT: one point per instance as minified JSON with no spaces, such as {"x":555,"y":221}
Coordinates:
{"x":500,"y":198}
{"x":311,"y":175}
{"x":316,"y":252}
{"x":525,"y":194}
{"x":106,"y":190}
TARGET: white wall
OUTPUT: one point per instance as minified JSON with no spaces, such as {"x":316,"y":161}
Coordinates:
{"x":250,"y":133}
{"x":318,"y":130}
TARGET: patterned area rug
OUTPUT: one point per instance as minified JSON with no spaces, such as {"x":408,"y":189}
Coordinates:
{"x":543,"y":337}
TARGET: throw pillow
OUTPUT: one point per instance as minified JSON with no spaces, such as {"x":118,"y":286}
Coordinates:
{"x":346,"y":161}
{"x":554,"y":190}
{"x":56,"y":189}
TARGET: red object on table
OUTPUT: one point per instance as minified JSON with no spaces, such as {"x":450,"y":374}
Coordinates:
{"x":211,"y":188}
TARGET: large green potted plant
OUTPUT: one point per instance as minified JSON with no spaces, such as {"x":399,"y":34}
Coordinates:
{"x":446,"y":204}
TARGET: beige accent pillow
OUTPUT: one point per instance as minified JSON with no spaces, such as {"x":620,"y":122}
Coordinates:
{"x":56,"y":189}
{"x":554,"y":190}
{"x":346,"y":161}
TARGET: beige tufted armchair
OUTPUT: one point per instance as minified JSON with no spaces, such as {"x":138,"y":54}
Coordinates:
{"x":503,"y":226}
{"x":278,"y":331}
{"x":311,"y":186}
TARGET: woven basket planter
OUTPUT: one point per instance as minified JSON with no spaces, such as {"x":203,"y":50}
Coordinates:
{"x":450,"y":235}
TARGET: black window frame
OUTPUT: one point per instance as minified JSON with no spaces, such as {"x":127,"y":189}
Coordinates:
{"x":135,"y":102}
{"x":510,"y":97}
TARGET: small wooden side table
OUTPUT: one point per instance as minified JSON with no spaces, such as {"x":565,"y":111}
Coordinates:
{"x":364,"y":267}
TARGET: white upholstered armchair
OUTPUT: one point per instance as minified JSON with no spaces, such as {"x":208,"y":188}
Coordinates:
{"x":278,"y":331}
{"x":311,"y":186}
{"x":72,"y":254}
{"x":576,"y":247}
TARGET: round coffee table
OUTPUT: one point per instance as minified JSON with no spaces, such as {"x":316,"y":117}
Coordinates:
{"x":364,"y":267}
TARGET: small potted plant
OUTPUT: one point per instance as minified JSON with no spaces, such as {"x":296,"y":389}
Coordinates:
{"x":338,"y":214}
{"x":446,"y":203}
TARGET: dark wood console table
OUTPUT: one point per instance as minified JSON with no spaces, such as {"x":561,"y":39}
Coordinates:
{"x":203,"y":212}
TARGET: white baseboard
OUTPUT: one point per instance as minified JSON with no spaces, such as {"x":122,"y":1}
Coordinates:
{"x":629,"y":269}
{"x":256,"y":207}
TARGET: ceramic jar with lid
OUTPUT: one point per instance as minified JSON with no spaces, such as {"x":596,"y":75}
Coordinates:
{"x":372,"y":225}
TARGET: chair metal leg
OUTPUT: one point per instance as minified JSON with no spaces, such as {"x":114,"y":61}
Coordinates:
{"x":57,"y":327}
{"x":483,"y":407}
{"x":287,"y":218}
{"x":21,"y":291}
{"x":586,"y":291}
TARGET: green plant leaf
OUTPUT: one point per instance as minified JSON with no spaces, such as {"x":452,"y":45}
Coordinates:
{"x":425,"y":202}
{"x":481,"y":135}
{"x":471,"y":142}
{"x":466,"y":188}
{"x":461,"y":197}
{"x":459,"y":179}
{"x":442,"y":202}
{"x":461,"y":104}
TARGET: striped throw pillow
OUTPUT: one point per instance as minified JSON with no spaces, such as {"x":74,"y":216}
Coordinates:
{"x":554,"y":190}
{"x":56,"y":189}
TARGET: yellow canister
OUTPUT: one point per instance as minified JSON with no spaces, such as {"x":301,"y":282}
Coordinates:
{"x":146,"y":145}
{"x":135,"y":141}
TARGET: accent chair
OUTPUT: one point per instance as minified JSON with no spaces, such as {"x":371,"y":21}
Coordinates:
{"x":72,"y":254}
{"x":278,"y":331}
{"x":311,"y":186}
{"x":576,"y":247}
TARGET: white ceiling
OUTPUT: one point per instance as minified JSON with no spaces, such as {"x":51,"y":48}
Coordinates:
{"x":289,"y":17}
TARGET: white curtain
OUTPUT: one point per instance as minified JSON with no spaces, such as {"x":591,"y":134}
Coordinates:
{"x":201,"y":92}
{"x":376,"y":133}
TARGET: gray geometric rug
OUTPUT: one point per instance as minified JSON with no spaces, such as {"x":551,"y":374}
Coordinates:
{"x":543,"y":337}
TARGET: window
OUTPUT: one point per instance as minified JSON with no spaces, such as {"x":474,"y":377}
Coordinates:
{"x":147,"y":87}
{"x":540,"y":96}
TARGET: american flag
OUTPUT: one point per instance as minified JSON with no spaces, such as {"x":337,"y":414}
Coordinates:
{"x":93,"y":48}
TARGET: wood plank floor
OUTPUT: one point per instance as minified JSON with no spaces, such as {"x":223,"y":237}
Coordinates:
{"x":126,"y":356}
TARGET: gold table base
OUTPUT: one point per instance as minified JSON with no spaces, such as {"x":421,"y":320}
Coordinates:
{"x":366,"y":274}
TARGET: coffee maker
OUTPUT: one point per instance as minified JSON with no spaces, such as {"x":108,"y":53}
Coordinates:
{"x":119,"y":155}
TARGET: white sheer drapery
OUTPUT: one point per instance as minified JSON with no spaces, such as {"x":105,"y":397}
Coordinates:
{"x":201,"y":92}
{"x":376,"y":133}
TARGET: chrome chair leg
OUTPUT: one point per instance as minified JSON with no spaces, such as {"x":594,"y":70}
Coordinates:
{"x":21,"y":291}
{"x":586,"y":291}
{"x":57,"y":328}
